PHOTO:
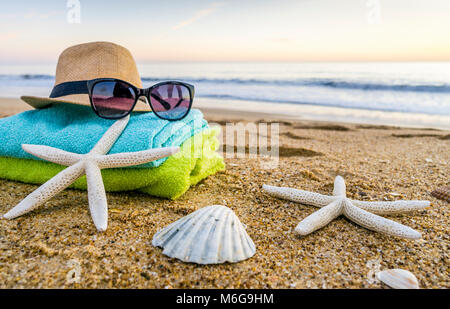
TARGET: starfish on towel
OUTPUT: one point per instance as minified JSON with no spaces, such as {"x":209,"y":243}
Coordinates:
{"x":363,"y":213}
{"x":89,"y":164}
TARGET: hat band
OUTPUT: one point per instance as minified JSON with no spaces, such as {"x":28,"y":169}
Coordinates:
{"x":76,"y":87}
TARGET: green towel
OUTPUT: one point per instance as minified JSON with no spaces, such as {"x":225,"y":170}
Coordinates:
{"x":196,"y":160}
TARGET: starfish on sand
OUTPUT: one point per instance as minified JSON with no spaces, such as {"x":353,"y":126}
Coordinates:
{"x":89,"y":164}
{"x":363,"y":213}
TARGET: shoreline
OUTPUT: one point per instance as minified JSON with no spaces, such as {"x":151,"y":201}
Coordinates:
{"x":307,"y":112}
{"x":233,"y":109}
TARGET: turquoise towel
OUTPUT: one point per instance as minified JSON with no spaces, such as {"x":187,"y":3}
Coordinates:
{"x":196,"y":160}
{"x":77,"y":128}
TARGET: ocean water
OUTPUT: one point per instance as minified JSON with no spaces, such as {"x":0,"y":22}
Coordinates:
{"x":407,"y":88}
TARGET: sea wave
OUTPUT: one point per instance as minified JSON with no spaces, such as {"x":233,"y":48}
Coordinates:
{"x":306,"y":82}
{"x":26,"y":77}
{"x":315,"y":103}
{"x":316,"y":82}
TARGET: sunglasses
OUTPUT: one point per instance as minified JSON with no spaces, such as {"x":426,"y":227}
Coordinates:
{"x":114,"y":98}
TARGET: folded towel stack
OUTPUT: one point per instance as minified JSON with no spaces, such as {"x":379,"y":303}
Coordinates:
{"x":77,"y":129}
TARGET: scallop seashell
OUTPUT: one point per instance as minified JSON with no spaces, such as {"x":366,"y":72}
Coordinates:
{"x":442,"y":193}
{"x":210,"y":235}
{"x":398,"y":279}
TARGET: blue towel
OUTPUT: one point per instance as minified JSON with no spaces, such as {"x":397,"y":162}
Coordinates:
{"x":77,"y":128}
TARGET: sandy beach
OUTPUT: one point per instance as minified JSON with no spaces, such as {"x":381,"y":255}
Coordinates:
{"x":51,"y":246}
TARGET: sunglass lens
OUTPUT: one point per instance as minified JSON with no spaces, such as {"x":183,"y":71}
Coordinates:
{"x":113,"y":99}
{"x":170,"y":101}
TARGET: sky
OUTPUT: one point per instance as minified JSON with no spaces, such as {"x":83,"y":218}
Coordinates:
{"x":230,"y":30}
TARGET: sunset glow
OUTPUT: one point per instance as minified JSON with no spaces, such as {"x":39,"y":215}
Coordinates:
{"x":231,"y":30}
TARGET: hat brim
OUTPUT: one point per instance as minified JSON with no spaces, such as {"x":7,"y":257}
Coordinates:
{"x":78,"y":99}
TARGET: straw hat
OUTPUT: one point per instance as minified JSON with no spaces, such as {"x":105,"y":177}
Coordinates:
{"x":89,"y":61}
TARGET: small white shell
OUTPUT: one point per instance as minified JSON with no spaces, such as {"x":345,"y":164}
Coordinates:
{"x":210,"y":235}
{"x":398,"y":279}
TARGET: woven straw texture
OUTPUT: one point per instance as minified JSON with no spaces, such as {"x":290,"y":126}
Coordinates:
{"x":89,"y":61}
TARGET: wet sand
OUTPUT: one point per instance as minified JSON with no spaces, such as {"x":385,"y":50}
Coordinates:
{"x":57,"y":246}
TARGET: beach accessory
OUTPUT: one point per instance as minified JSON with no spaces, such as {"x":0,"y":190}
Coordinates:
{"x":89,"y":164}
{"x":196,"y":160}
{"x":361,"y":212}
{"x":91,"y":61}
{"x":398,"y":279}
{"x":210,"y":235}
{"x":114,"y":98}
{"x":77,"y":129}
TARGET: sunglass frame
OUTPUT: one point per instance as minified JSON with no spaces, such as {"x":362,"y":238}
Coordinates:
{"x":139,"y":92}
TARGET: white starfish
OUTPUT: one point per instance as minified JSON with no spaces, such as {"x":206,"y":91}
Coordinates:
{"x":363,"y":213}
{"x":89,"y":164}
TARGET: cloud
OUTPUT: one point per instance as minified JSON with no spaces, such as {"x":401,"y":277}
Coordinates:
{"x":198,"y":15}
